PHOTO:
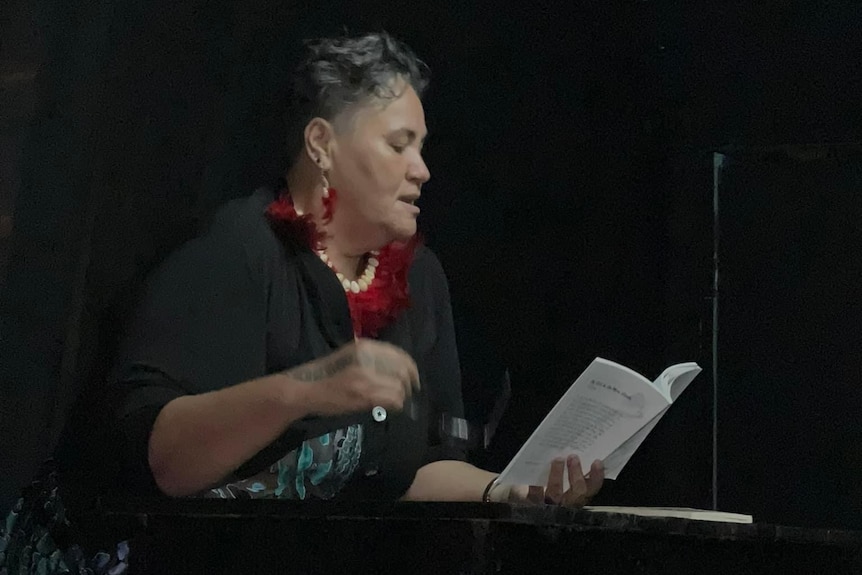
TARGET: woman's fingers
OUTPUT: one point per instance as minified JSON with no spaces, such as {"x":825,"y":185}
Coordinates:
{"x":596,"y":478}
{"x":386,"y":366}
{"x":581,"y":487}
{"x":536,"y":494}
{"x":554,"y":490}
{"x":411,"y":368}
{"x":387,"y":359}
{"x":577,"y":493}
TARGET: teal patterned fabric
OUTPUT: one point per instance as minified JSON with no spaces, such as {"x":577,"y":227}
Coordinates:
{"x":37,"y":538}
{"x":318,"y":469}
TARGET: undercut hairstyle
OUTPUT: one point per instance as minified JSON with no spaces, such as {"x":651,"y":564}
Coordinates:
{"x":340,"y":74}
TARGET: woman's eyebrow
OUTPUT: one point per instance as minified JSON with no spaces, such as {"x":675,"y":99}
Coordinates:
{"x":410,"y":134}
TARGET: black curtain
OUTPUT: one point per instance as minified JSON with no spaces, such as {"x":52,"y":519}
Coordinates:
{"x":790,"y":327}
{"x":552,"y":203}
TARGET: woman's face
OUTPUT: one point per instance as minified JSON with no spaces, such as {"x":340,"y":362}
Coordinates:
{"x":378,"y":170}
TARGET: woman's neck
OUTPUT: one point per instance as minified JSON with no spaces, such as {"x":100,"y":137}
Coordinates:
{"x":351,"y":267}
{"x":304,"y":193}
{"x":307,"y":196}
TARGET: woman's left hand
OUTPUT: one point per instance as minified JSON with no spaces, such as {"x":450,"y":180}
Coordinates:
{"x":581,"y":488}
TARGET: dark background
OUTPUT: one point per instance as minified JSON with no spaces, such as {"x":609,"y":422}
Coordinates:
{"x":570,"y":203}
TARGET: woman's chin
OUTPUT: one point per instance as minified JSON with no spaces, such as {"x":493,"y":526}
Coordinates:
{"x":403,"y":232}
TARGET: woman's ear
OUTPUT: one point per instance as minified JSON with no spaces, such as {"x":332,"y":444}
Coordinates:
{"x":319,"y":137}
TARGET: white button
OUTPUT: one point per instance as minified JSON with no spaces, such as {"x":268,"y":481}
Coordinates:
{"x":378,"y":413}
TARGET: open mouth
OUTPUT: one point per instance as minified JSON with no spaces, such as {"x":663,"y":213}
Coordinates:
{"x":410,"y":203}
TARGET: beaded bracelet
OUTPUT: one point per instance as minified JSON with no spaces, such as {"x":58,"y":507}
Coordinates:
{"x":486,"y":495}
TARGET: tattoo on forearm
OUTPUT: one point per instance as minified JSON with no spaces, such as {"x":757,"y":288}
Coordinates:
{"x":318,"y":371}
{"x":377,"y":363}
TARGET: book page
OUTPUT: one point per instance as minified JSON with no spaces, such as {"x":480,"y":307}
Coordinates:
{"x":674,"y":380}
{"x":677,"y":377}
{"x":615,"y":462}
{"x":602,"y":409}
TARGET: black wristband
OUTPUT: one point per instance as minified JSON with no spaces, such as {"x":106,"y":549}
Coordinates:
{"x":486,"y":495}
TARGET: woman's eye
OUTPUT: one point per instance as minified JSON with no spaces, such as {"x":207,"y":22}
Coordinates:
{"x":399,"y":149}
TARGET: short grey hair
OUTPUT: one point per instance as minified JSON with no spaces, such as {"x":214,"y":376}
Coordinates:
{"x":338,"y":74}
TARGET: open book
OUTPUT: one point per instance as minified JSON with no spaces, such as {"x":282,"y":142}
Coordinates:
{"x":606,"y":414}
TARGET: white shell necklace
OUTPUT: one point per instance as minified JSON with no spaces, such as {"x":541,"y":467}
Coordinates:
{"x":365,"y":280}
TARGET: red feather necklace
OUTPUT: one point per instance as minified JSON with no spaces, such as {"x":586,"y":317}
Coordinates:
{"x":386,"y":296}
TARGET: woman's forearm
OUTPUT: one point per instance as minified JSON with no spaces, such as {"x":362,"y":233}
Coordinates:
{"x":449,"y":481}
{"x":197,"y":440}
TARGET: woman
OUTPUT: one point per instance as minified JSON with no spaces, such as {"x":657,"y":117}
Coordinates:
{"x":304,"y":347}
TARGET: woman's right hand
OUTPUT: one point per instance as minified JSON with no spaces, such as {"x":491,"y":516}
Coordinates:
{"x":358,"y":377}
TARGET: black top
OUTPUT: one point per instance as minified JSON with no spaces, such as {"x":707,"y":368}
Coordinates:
{"x":239,"y":303}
